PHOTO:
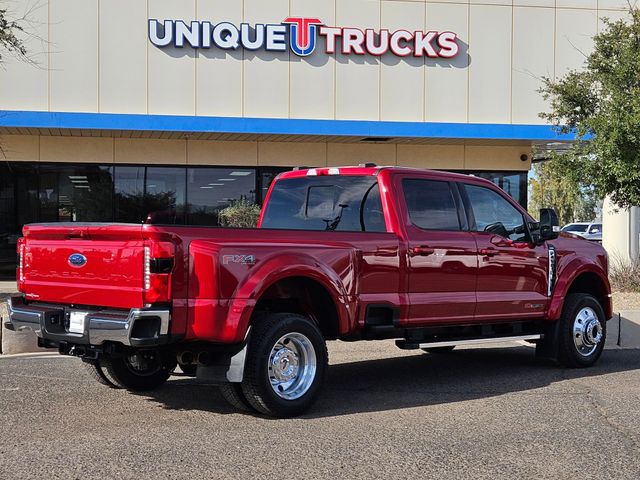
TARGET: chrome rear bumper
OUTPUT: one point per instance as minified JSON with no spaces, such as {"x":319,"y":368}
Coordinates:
{"x":136,"y":327}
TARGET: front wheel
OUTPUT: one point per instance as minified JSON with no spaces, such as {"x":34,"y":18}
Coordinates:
{"x":139,"y":370}
{"x":287,"y":361}
{"x":583,"y":331}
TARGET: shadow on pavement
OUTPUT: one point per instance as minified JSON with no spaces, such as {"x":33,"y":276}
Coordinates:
{"x":413,"y":381}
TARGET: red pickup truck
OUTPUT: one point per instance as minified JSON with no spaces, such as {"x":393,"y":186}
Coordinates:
{"x":431,"y":259}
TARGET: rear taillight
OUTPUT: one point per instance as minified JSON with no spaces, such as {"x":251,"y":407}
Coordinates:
{"x":158,"y":265}
{"x":147,"y":268}
{"x":20,"y":272}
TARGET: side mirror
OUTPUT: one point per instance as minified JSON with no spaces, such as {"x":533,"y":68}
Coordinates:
{"x":549,"y":224}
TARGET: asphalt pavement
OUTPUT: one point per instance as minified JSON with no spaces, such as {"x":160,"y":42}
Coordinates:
{"x":385,"y":413}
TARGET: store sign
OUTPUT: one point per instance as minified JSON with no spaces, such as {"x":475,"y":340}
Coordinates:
{"x":301,"y":36}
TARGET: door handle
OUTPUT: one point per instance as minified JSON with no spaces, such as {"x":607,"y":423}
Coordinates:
{"x":489,"y":252}
{"x":422,"y":250}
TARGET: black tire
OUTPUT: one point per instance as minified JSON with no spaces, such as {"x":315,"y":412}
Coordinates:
{"x":569,"y":353}
{"x":439,"y":350}
{"x":94,"y":368}
{"x":233,"y":394}
{"x":257,"y":387}
{"x":124,"y":374}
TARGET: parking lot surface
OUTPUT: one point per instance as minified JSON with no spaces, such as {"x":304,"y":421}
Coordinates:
{"x":385,"y":413}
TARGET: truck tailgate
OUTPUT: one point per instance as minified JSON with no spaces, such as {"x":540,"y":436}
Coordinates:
{"x":101,"y":265}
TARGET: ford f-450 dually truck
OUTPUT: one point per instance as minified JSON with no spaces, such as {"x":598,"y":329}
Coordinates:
{"x":431,"y":259}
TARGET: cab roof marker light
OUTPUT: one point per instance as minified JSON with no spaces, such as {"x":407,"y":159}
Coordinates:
{"x":334,"y":171}
{"x":312,"y":172}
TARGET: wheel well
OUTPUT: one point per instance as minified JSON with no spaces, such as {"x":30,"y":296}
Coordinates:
{"x":591,"y":284}
{"x":303,"y":296}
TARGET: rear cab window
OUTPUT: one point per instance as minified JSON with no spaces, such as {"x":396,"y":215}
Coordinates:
{"x":431,"y":204}
{"x":330,"y":203}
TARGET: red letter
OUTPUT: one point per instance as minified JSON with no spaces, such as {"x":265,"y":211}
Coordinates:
{"x":395,"y":43}
{"x":370,"y":42}
{"x":423,"y":44}
{"x":448,"y":45}
{"x":332,"y":33}
{"x":352,"y":40}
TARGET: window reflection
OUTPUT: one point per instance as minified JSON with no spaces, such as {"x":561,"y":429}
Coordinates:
{"x":76,"y":194}
{"x":129,"y":194}
{"x":165,"y":195}
{"x":211,"y":189}
{"x":514,"y":183}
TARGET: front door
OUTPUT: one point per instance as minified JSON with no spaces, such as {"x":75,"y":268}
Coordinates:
{"x":441,"y":255}
{"x":512,"y":272}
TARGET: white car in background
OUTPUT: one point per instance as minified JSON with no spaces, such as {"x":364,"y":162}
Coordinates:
{"x":589,"y":230}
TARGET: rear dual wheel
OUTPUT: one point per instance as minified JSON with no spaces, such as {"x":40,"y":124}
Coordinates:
{"x":138,"y":370}
{"x":286,"y":365}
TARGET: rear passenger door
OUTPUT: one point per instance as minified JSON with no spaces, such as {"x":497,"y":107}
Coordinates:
{"x":441,"y":255}
{"x":512,"y":272}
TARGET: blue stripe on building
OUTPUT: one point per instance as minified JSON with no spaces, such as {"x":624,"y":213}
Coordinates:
{"x":279,"y":126}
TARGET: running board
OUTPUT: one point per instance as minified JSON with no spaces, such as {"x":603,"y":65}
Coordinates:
{"x":403,"y":344}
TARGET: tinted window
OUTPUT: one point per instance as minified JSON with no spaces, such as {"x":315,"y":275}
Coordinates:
{"x":595,"y":228}
{"x":165,"y":196}
{"x":575,"y":228}
{"x":350,"y":204}
{"x":77,"y":194}
{"x":209,"y":190}
{"x":515,"y":184}
{"x":268,"y":175}
{"x":431,"y":204}
{"x":129,"y":194}
{"x":490,"y":208}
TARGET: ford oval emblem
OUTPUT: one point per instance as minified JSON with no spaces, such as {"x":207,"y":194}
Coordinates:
{"x":77,"y":260}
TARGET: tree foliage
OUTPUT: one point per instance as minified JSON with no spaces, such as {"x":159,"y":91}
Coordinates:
{"x":9,"y":39}
{"x":602,"y":104}
{"x":552,"y":187}
{"x":240,"y":214}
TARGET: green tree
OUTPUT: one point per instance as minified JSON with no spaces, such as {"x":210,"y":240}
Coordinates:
{"x":551,"y":186}
{"x":240,"y":214}
{"x":601,"y":103}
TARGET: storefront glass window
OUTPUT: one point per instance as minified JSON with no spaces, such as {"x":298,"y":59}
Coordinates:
{"x":129,"y":194}
{"x":211,"y":189}
{"x":8,"y":238}
{"x":76,"y":193}
{"x":165,"y":196}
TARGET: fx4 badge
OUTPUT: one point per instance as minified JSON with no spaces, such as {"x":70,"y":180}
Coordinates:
{"x":239,"y":259}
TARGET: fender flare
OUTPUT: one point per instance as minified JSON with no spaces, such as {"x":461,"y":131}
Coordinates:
{"x":577,"y":267}
{"x":279,"y":267}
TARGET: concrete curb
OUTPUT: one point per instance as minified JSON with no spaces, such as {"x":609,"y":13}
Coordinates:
{"x":624,"y":329}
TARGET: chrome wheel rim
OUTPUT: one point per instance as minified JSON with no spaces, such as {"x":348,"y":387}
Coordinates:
{"x":587,"y":331}
{"x":292,"y":366}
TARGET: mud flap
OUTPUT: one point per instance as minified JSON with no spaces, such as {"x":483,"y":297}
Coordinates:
{"x":547,"y":348}
{"x":223,"y":368}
